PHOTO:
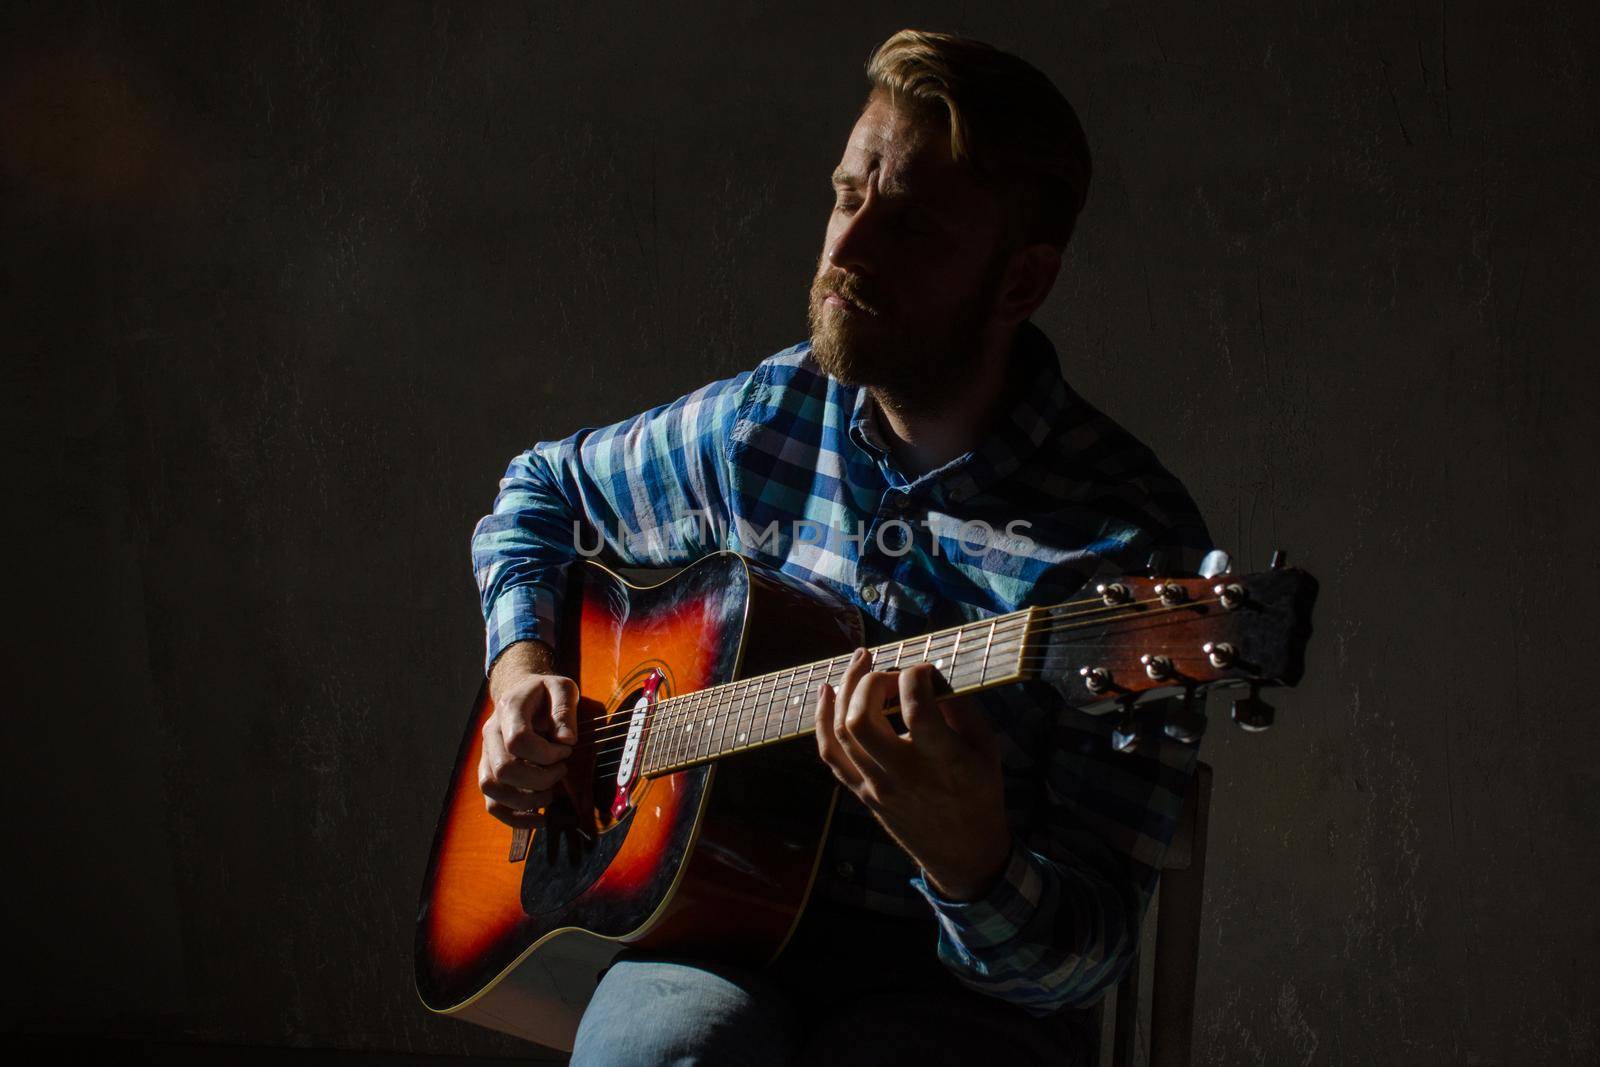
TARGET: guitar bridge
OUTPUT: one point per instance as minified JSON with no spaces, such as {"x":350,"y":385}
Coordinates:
{"x":628,"y":771}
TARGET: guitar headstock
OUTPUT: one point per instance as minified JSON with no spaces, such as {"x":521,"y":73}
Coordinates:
{"x":1138,"y":639}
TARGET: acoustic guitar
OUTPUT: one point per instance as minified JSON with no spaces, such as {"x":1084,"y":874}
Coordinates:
{"x":688,"y":825}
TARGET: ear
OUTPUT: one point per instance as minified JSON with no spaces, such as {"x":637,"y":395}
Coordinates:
{"x":1029,"y":277}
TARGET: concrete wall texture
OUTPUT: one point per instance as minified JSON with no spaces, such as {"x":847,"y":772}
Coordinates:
{"x":283,"y":287}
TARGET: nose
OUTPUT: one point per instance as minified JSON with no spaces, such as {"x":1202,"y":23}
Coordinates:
{"x":854,"y":246}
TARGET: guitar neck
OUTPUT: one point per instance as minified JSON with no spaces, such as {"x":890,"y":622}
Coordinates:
{"x":702,"y":726}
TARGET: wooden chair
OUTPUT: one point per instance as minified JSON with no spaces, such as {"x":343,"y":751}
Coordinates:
{"x":1179,"y":895}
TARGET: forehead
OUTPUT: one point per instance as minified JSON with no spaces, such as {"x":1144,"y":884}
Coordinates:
{"x":906,"y":152}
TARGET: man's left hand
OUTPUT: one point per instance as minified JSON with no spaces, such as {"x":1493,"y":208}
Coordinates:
{"x":937,"y":789}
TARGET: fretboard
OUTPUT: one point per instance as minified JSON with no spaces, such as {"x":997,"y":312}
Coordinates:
{"x":706,"y":725}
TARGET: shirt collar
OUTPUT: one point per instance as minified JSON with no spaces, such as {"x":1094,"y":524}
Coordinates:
{"x":1037,"y":402}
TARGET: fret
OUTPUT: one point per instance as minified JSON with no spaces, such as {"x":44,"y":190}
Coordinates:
{"x":812,"y":685}
{"x":758,"y":735}
{"x":727,"y":709}
{"x":748,"y":712}
{"x":776,"y":703}
{"x":1014,"y":644}
{"x":802,"y":689}
{"x":789,"y":701}
{"x":1006,"y":632}
{"x":975,"y":658}
{"x":741,"y":716}
{"x":700,"y":731}
{"x":899,"y":651}
{"x":988,"y":646}
{"x":800,"y":696}
{"x":740,"y":719}
{"x":950,"y":675}
{"x":754,"y":707}
{"x":741,"y":705}
{"x":777,"y":709}
{"x":661,"y":736}
{"x":682,"y":727}
{"x":686,"y":726}
{"x":679,"y":732}
{"x":807,"y":693}
{"x":739,"y":729}
{"x":834,"y":685}
{"x":732,"y":723}
{"x":711,"y":728}
{"x":739,"y":702}
{"x":660,"y":740}
{"x":695,"y":736}
{"x":647,"y":745}
{"x":793,"y":699}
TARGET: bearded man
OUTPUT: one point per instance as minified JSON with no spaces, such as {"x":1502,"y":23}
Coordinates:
{"x":987,"y":870}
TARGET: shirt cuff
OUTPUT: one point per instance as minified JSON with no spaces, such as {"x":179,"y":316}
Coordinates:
{"x":999,"y":915}
{"x":520,"y":613}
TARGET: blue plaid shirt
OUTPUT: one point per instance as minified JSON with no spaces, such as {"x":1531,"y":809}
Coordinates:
{"x":733,"y":465}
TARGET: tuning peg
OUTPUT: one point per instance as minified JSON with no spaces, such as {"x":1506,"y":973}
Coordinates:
{"x":1251,"y":712}
{"x":1280,"y":559}
{"x":1156,"y":565}
{"x":1186,"y":724}
{"x":1125,"y":736}
{"x":1215,"y":562}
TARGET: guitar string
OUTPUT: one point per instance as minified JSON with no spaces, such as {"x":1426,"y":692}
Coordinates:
{"x":614,"y":742}
{"x":803,"y":724}
{"x":685,"y":707}
{"x":677,"y":710}
{"x":1022,"y":660}
{"x":749,"y":692}
{"x":677,"y":764}
{"x":682,"y":710}
{"x":801,"y":687}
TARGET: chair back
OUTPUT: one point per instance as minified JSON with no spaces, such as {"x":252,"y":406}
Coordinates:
{"x":1179,"y":895}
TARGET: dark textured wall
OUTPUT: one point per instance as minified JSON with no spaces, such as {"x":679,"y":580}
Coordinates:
{"x":283,"y":290}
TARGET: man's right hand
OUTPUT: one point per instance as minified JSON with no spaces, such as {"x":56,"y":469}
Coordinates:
{"x":527,"y":739}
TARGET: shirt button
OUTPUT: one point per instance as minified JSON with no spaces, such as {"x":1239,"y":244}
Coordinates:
{"x":846,"y":870}
{"x":869,"y":595}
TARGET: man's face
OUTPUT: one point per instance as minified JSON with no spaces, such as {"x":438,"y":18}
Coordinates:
{"x":911,"y":264}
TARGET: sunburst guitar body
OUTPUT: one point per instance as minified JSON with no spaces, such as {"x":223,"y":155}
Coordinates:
{"x":717,"y":858}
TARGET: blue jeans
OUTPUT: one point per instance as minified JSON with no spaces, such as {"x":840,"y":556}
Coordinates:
{"x":848,"y":990}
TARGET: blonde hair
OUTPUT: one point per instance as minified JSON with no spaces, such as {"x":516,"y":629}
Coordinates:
{"x":1007,"y":121}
